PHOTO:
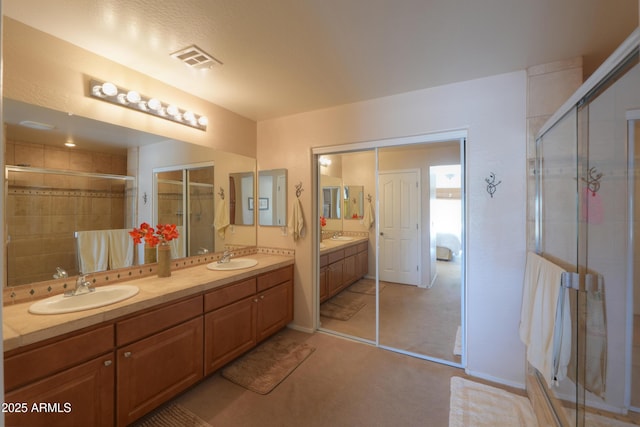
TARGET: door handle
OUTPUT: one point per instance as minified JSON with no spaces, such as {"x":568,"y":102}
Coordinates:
{"x":381,"y":233}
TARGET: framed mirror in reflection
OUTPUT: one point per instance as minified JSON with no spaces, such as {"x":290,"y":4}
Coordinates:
{"x":103,"y":183}
{"x":241,"y":196}
{"x":272,"y":198}
{"x":353,"y":201}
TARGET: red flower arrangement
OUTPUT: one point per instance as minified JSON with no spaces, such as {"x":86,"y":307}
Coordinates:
{"x":152,"y":237}
{"x":323,"y":221}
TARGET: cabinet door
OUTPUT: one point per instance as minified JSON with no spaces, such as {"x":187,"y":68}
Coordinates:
{"x":324,"y":290}
{"x":153,"y":370}
{"x":362,"y":264}
{"x":349,"y":270}
{"x":335,"y":277}
{"x":78,"y":396}
{"x":275,"y":309}
{"x":229,"y":332}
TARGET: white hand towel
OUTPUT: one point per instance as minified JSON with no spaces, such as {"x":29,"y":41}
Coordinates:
{"x":121,"y":249}
{"x":177,"y":249}
{"x":93,"y":251}
{"x":368,"y":218}
{"x":296,"y":220}
{"x":221,"y":220}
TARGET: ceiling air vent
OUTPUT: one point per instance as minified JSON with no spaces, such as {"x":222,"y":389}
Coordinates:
{"x":195,"y":57}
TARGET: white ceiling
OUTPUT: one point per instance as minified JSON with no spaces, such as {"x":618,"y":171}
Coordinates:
{"x":282,"y":57}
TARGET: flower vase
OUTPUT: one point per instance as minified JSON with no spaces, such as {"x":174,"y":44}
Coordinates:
{"x":150,"y":254}
{"x":164,"y":260}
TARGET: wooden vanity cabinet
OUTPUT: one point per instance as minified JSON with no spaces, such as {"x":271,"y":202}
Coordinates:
{"x":323,"y":281}
{"x":341,"y":268}
{"x":70,"y":381}
{"x":159,"y":355}
{"x":362,"y":259}
{"x":245,"y":313}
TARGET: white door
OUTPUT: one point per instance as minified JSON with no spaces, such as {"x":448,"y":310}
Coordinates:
{"x":400,"y":227}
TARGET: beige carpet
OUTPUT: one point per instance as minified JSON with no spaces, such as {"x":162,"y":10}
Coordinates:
{"x":172,"y":415}
{"x":366,"y":286}
{"x":478,"y":405}
{"x":343,"y":306}
{"x":263,"y":368}
{"x":595,"y":420}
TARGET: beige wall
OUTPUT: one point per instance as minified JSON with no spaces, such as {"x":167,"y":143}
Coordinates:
{"x":493,"y":112}
{"x":46,"y":71}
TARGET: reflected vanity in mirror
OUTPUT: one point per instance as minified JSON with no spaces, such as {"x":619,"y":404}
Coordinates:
{"x":272,"y":198}
{"x":353,"y":201}
{"x":82,"y":199}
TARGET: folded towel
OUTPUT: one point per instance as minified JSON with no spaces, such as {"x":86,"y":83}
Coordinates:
{"x":93,"y":251}
{"x":368,"y":218}
{"x":121,"y":248}
{"x":296,"y":220}
{"x":221,"y":219}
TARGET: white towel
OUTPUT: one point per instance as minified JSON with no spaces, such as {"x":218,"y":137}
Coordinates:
{"x":93,"y":251}
{"x":121,"y":249}
{"x":540,"y":304}
{"x":221,"y":220}
{"x":368,"y":217}
{"x":296,"y":220}
{"x":177,"y":248}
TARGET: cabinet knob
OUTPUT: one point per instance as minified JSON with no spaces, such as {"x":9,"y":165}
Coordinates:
{"x":108,"y":362}
{"x":261,"y":296}
{"x":127,"y":354}
{"x":255,"y":300}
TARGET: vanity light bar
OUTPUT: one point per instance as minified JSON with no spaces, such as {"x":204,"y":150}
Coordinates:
{"x":109,"y":92}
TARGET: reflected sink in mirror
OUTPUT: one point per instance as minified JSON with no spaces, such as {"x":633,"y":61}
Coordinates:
{"x":342,"y":238}
{"x":233,"y":264}
{"x":322,"y":246}
{"x":102,"y":296}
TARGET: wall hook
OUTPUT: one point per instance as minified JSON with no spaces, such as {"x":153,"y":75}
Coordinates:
{"x":593,"y":180}
{"x":221,"y":193}
{"x":299,"y":189}
{"x":492,"y":185}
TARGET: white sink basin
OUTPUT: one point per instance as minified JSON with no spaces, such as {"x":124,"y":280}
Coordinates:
{"x":322,"y":246}
{"x":102,"y":296}
{"x":233,"y":264}
{"x":343,"y":238}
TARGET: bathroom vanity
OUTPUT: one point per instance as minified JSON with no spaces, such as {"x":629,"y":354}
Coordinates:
{"x":112,"y":365}
{"x":342,"y":262}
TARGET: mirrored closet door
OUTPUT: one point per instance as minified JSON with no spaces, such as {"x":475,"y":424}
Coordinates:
{"x":392,"y":246}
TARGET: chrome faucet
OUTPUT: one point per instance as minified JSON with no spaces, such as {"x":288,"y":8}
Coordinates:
{"x":226,"y":257}
{"x":60,"y":273}
{"x":83,"y":286}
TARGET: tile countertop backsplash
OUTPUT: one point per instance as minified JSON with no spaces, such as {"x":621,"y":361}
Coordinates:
{"x":21,"y":328}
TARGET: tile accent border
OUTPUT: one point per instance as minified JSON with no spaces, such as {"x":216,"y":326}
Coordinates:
{"x":32,"y":292}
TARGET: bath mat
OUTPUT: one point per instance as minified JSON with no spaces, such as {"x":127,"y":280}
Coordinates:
{"x":172,"y":415}
{"x":266,"y":366}
{"x":457,"y":346}
{"x":342,"y":307}
{"x":478,"y":405}
{"x":366,"y":286}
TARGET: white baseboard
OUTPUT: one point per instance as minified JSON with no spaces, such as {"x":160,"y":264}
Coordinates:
{"x":496,"y":380}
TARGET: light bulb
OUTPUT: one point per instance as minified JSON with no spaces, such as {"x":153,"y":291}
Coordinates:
{"x":109,"y":89}
{"x":189,"y":116}
{"x":173,"y":110}
{"x":133,"y":97}
{"x":154,"y":104}
{"x":203,"y":121}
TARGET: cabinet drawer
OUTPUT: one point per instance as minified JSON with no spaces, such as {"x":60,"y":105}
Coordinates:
{"x":351,"y":250}
{"x":26,"y":367}
{"x":146,"y":324}
{"x":276,"y":277}
{"x":324,"y":260}
{"x":336,"y":256}
{"x":363,"y":246}
{"x":229,"y":294}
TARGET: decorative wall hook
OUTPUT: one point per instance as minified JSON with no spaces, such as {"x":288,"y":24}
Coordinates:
{"x":593,"y":180}
{"x":492,"y":185}
{"x":299,"y":189}
{"x":221,"y":193}
{"x":369,"y":197}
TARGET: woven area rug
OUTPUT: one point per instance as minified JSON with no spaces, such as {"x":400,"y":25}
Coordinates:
{"x":366,"y":286}
{"x":172,"y":415}
{"x":266,"y":366}
{"x":342,"y":307}
{"x":478,"y":405}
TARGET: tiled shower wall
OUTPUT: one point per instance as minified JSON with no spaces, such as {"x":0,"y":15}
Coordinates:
{"x":44,"y":210}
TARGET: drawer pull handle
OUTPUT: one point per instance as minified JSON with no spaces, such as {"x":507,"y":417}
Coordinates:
{"x":107,"y":363}
{"x":127,"y":354}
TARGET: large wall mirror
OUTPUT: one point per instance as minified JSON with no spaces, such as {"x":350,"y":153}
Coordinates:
{"x":103,"y":183}
{"x":272,"y":198}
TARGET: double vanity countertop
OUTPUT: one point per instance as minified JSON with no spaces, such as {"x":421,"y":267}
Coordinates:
{"x":21,"y":328}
